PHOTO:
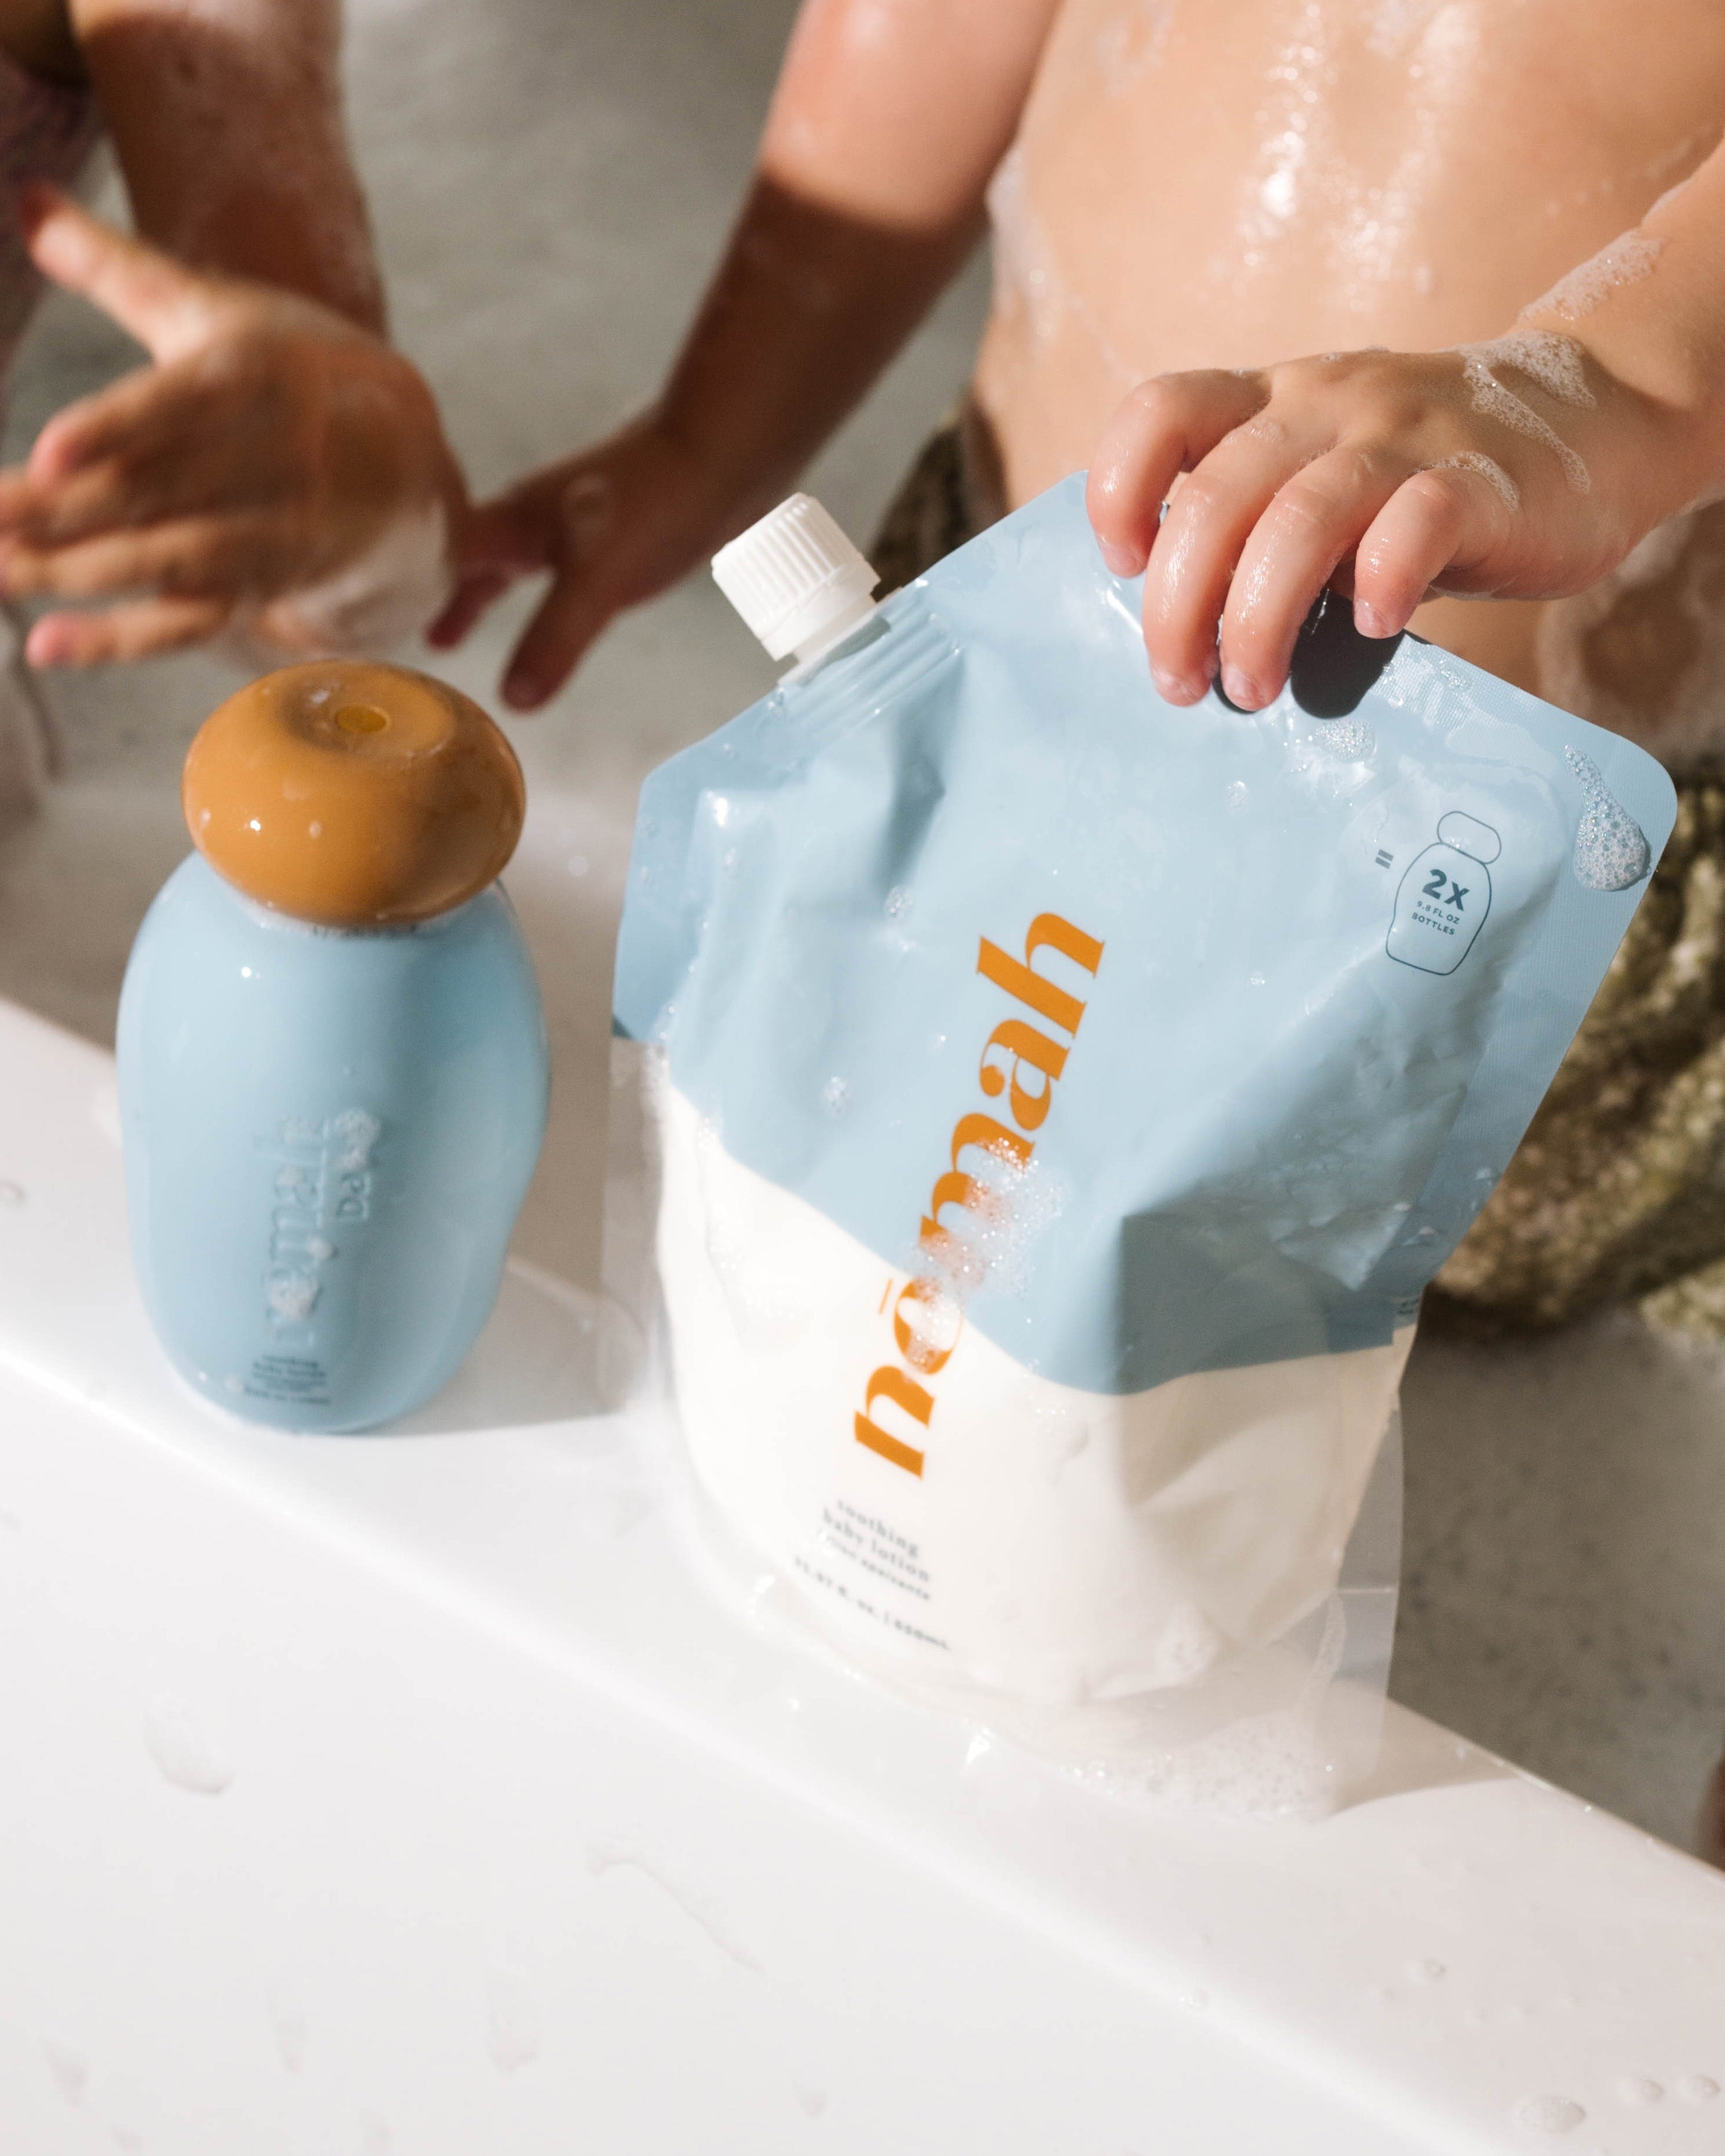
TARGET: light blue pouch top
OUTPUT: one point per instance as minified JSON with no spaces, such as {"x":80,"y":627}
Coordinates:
{"x":1276,"y":995}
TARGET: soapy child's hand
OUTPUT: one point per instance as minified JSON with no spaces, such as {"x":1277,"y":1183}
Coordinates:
{"x":616,"y":524}
{"x":1520,"y":469}
{"x":269,"y":447}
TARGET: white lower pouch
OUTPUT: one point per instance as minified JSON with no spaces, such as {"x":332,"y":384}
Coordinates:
{"x":1059,"y":1102}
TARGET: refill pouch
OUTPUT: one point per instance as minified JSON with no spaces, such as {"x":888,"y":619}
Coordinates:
{"x":1058,"y":1101}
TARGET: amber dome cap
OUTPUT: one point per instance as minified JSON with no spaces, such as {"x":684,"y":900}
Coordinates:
{"x":353,"y":795}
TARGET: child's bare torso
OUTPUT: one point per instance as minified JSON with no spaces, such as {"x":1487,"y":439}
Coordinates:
{"x":1229,"y":182}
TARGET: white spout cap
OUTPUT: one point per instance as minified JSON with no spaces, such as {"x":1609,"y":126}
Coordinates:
{"x":795,"y":580}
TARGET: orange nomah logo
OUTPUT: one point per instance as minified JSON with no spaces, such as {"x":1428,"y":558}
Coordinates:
{"x":924,"y":1326}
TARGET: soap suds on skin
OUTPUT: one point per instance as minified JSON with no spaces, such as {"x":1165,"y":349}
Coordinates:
{"x":1630,"y":257}
{"x":1487,"y":469}
{"x":1554,"y":362}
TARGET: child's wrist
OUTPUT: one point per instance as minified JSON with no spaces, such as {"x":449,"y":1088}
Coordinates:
{"x":1671,"y":388}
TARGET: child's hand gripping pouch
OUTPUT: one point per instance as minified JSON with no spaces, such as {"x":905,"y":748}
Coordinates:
{"x":1063,"y":1100}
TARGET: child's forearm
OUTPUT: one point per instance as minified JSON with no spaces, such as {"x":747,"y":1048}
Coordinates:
{"x":1649,"y":311}
{"x":227,"y":121}
{"x":889,"y":119}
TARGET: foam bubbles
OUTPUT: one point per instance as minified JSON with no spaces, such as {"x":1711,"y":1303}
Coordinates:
{"x":1630,"y":257}
{"x":1555,"y":364}
{"x":291,"y":1298}
{"x":1351,"y":739}
{"x":1611,"y":849}
{"x":1190,"y":1646}
{"x":1487,"y":469}
{"x":1549,"y":2114}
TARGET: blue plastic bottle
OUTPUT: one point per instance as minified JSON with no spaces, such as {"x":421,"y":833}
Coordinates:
{"x":333,"y":1067}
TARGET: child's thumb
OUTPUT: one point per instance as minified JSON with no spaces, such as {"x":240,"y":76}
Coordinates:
{"x":164,"y":305}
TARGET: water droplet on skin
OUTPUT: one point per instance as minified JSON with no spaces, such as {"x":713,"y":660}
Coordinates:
{"x":1633,"y":2090}
{"x":1611,"y":849}
{"x":578,"y":865}
{"x":182,"y":1751}
{"x":1549,"y":2114}
{"x":835,"y":1097}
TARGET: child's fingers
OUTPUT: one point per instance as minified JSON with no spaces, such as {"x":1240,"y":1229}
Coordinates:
{"x":571,"y":616}
{"x":475,"y":594}
{"x":1448,"y":516}
{"x":1315,"y":520}
{"x":1165,"y":427}
{"x":1192,"y":563}
{"x":190,"y":556}
{"x":138,"y":631}
{"x":164,"y":305}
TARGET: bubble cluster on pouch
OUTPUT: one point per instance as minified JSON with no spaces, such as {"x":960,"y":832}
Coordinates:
{"x":1350,"y":739}
{"x":1611,"y":849}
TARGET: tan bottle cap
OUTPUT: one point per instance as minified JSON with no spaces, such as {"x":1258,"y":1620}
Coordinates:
{"x":353,"y":795}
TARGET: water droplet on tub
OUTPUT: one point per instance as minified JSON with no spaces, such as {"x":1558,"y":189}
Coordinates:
{"x":1549,"y":2114}
{"x":514,"y":2028}
{"x":1425,"y":1971}
{"x":1634,"y":2090}
{"x":1611,"y":849}
{"x":1256,"y":980}
{"x":898,"y":901}
{"x":70,"y":2070}
{"x":12,"y":1195}
{"x":375,"y":2137}
{"x":1699,"y":2088}
{"x":1235,"y":796}
{"x":292,"y":2037}
{"x":182,"y":1751}
{"x":835,"y":1097}
{"x":812,"y":2101}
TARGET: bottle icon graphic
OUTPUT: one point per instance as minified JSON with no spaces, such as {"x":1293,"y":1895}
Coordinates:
{"x":1442,"y":902}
